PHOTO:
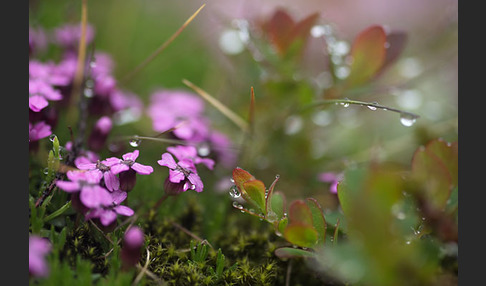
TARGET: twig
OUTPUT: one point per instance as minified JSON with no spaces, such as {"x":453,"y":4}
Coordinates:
{"x":161,"y":48}
{"x":143,"y":270}
{"x":235,"y":118}
{"x":186,"y":231}
{"x":289,"y":270}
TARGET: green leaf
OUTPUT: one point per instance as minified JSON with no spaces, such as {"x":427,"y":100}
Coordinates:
{"x":368,"y":53}
{"x":301,"y":235}
{"x":255,"y":194}
{"x":300,"y":213}
{"x":277,"y":205}
{"x":318,"y":220}
{"x":290,"y":252}
{"x":448,"y":154}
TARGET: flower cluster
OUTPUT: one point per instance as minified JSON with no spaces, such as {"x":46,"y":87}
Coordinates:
{"x":181,"y":112}
{"x":183,"y":174}
{"x":98,"y":188}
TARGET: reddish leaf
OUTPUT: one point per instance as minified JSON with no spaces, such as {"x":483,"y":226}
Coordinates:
{"x":283,"y":31}
{"x":300,"y":213}
{"x":395,"y":45}
{"x":448,"y":154}
{"x":368,"y":53}
{"x":432,"y":174}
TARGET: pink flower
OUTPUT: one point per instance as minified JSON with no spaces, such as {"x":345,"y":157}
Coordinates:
{"x":133,"y":241}
{"x":38,"y":131}
{"x":101,"y":168}
{"x":68,"y":36}
{"x":91,"y":194}
{"x":38,"y":249}
{"x":99,"y":134}
{"x":190,"y":153}
{"x":107,"y":214}
{"x":180,"y":110}
{"x":182,"y":176}
{"x":333,"y":178}
{"x":127,"y":170}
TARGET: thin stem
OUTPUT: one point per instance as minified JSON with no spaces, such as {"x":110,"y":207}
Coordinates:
{"x":159,"y":202}
{"x":362,"y":103}
{"x":58,"y":212}
{"x":161,"y":48}
{"x":235,"y":118}
{"x":142,"y":271}
{"x":186,"y":231}
{"x":78,"y":77}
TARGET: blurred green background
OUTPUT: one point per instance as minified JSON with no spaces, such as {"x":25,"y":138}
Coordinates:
{"x":422,"y":81}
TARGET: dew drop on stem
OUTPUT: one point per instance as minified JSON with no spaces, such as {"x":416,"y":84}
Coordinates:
{"x":234,"y":193}
{"x":407,"y":119}
{"x":135,"y":141}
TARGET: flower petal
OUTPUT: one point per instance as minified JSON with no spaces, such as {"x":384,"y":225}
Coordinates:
{"x":168,"y":161}
{"x":95,"y":196}
{"x":107,"y":217}
{"x":111,"y":181}
{"x":142,"y":169}
{"x":37,"y":103}
{"x":67,"y":186}
{"x":176,"y":176}
{"x":196,"y":181}
{"x":118,"y":168}
{"x":123,"y":210}
{"x":131,"y":156}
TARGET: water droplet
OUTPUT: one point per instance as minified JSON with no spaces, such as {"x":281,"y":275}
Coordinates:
{"x":237,"y":205}
{"x":293,"y":124}
{"x":407,"y":119}
{"x":193,"y":187}
{"x":234,"y":193}
{"x":203,"y":150}
{"x":52,"y":137}
{"x":342,"y":72}
{"x":46,"y":171}
{"x":135,"y":141}
{"x":408,"y":242}
{"x":271,"y":216}
{"x":231,"y":180}
{"x":88,"y":92}
{"x":230,"y":42}
{"x":401,"y":216}
{"x":345,"y":104}
{"x":92,"y":64}
{"x":277,"y":176}
{"x":373,"y":106}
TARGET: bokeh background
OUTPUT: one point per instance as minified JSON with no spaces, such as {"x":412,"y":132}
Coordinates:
{"x":422,"y":81}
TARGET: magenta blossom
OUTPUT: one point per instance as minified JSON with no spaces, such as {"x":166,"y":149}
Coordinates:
{"x":133,"y":241}
{"x":190,"y":152}
{"x":91,"y":194}
{"x":68,"y":36}
{"x":333,"y":178}
{"x":38,"y":249}
{"x":38,"y":131}
{"x":107,"y":214}
{"x":180,"y":110}
{"x":128,"y":168}
{"x":182,"y":175}
{"x":99,"y":134}
{"x":101,"y":168}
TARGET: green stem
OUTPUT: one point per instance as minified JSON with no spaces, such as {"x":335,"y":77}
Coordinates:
{"x":362,"y":103}
{"x":58,"y":212}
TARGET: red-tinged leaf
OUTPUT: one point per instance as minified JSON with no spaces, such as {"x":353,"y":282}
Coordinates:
{"x":300,"y":213}
{"x":279,"y":29}
{"x":286,"y":34}
{"x":395,"y":45}
{"x":301,"y":235}
{"x":290,"y":252}
{"x":448,"y":154}
{"x":432,"y":175}
{"x":241,"y":176}
{"x":254,"y":193}
{"x":318,"y":220}
{"x":368,"y":53}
